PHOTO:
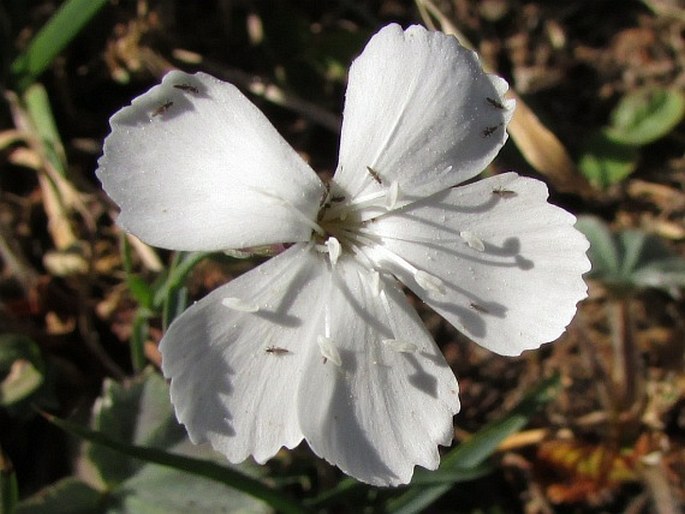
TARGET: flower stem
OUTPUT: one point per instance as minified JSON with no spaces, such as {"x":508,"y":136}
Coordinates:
{"x":626,"y":367}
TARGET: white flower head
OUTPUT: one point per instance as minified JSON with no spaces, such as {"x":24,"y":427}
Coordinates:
{"x":319,"y":343}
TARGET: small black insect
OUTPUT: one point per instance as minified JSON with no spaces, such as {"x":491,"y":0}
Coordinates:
{"x":187,"y":87}
{"x":374,"y":174}
{"x":495,"y":103}
{"x":504,"y":193}
{"x":276,"y":350}
{"x":479,"y":308}
{"x":488,"y":131}
{"x":162,"y":108}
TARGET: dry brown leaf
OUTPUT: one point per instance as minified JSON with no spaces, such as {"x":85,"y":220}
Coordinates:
{"x":543,"y":150}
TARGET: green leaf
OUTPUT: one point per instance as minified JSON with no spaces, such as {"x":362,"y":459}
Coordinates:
{"x":631,"y":260}
{"x":154,"y":490}
{"x":57,"y":33}
{"x":604,"y":253}
{"x":667,"y":274}
{"x":605,"y":162}
{"x":172,"y":296}
{"x":472,"y":453}
{"x":182,"y":266}
{"x":68,"y":496}
{"x":140,"y":290}
{"x":21,"y":368}
{"x":451,"y":476}
{"x":138,"y":412}
{"x":194,"y":466}
{"x":646,"y":115}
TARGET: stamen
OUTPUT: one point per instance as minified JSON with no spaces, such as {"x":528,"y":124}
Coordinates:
{"x":375,"y":283}
{"x":239,"y":305}
{"x":472,"y":240}
{"x":328,"y":350}
{"x":327,"y":321}
{"x":393,"y":195}
{"x":359,"y":250}
{"x":286,"y":203}
{"x":429,"y":282}
{"x":425,"y":280}
{"x":341,"y":211}
{"x":400,"y":346}
{"x":334,"y":249}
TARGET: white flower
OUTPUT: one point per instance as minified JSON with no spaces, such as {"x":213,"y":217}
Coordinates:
{"x":319,"y":343}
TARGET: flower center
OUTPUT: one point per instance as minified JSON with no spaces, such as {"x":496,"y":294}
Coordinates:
{"x":342,"y":221}
{"x":345,"y":221}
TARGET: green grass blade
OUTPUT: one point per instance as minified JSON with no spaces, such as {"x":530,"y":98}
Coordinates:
{"x":57,"y":33}
{"x":472,"y":453}
{"x":172,"y":296}
{"x":139,"y":335}
{"x":179,"y":270}
{"x":344,"y":488}
{"x":39,"y":110}
{"x":198,"y":467}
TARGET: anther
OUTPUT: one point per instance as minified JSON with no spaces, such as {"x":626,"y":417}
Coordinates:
{"x":328,"y":350}
{"x":393,"y":195}
{"x":429,"y":282}
{"x":400,"y":346}
{"x":239,"y":305}
{"x":375,"y":283}
{"x":333,"y":246}
{"x":472,"y":240}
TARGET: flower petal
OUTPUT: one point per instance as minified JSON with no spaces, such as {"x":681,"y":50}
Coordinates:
{"x":509,"y":263}
{"x":235,"y":371}
{"x":389,"y":400}
{"x":194,"y":165}
{"x":420,"y":115}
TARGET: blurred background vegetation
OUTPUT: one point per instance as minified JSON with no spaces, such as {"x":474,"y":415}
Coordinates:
{"x":592,"y":423}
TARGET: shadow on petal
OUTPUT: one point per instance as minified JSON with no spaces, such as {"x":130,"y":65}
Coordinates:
{"x":422,"y":380}
{"x":200,"y":391}
{"x":345,"y":442}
